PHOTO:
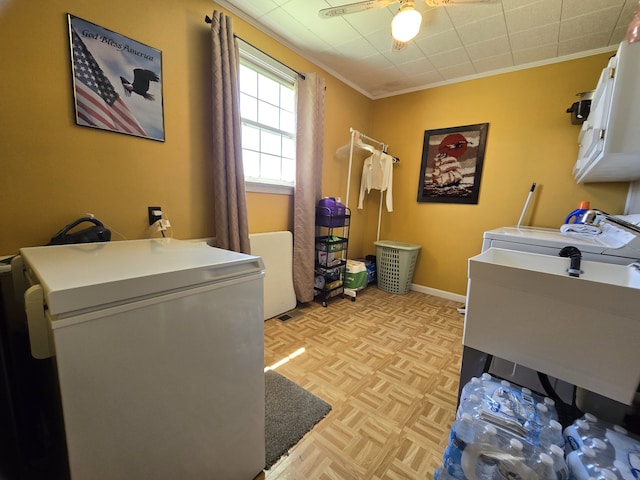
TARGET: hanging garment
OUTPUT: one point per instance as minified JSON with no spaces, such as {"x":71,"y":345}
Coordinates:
{"x":377,"y":174}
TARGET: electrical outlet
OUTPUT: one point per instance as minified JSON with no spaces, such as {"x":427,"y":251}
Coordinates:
{"x":153,"y":218}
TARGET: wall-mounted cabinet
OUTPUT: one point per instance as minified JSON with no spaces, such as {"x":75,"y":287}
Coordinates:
{"x":609,"y":142}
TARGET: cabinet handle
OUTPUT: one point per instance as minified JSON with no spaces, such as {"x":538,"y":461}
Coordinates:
{"x":601,"y":134}
{"x":612,"y":72}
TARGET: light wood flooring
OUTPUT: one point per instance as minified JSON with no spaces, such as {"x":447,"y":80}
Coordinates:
{"x":388,"y":365}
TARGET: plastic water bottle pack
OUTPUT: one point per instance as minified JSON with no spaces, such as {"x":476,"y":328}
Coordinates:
{"x":503,"y":432}
{"x":515,"y":410}
{"x":600,"y":450}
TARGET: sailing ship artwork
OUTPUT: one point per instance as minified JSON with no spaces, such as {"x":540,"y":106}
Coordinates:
{"x":452,"y":160}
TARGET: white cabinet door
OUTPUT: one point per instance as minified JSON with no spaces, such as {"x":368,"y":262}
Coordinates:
{"x":591,"y":138}
{"x":609,"y":144}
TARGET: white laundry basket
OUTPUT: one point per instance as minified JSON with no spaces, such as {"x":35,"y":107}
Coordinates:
{"x":395,"y":263}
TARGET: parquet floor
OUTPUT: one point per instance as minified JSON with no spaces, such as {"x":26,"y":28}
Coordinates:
{"x":388,"y":365}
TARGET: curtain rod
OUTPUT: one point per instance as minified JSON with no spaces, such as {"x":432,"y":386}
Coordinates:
{"x":207,"y":19}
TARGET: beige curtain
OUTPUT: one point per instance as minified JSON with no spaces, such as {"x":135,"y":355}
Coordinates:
{"x":309,"y":139}
{"x":230,"y":202}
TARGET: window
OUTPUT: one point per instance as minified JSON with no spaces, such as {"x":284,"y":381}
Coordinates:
{"x":267,"y":110}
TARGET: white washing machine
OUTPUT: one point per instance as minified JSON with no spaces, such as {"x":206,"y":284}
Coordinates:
{"x":616,"y":244}
{"x":613,"y":245}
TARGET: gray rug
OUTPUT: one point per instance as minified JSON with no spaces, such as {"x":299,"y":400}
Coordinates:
{"x":290,"y":412}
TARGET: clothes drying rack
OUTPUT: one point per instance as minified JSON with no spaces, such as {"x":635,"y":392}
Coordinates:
{"x":357,"y":141}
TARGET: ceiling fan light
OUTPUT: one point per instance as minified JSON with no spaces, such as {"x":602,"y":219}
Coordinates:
{"x":406,"y":24}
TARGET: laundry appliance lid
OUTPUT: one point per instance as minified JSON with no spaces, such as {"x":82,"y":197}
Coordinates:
{"x":549,"y":237}
{"x":92,"y":275}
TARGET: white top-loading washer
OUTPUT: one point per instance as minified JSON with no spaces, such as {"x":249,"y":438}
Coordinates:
{"x":612,"y":246}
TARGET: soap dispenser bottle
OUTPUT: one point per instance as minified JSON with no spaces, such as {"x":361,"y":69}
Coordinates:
{"x":578,"y":213}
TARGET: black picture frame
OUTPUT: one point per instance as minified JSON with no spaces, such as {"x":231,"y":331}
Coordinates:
{"x":117,"y":81}
{"x":452,"y":160}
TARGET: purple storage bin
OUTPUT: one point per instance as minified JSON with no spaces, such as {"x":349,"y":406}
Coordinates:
{"x":330,"y":212}
{"x":334,"y":206}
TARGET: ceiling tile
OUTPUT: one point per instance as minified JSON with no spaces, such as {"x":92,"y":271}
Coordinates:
{"x":451,"y":57}
{"x":381,"y":40}
{"x":489,"y":48}
{"x":577,"y":8}
{"x":435,"y":21}
{"x":618,"y":35}
{"x":369,"y":21}
{"x":626,"y":14}
{"x":383,"y":76}
{"x":534,"y":37}
{"x":470,"y":13}
{"x":376,"y":61}
{"x":257,"y":8}
{"x":444,"y":41}
{"x":426,"y":78}
{"x":576,"y":45}
{"x":457,"y":71}
{"x":409,"y":54}
{"x":417,"y":67}
{"x":508,"y":5}
{"x":357,"y":48}
{"x":539,"y":13}
{"x":481,"y":31}
{"x":535,"y":54}
{"x":497,"y":62}
{"x":600,"y":21}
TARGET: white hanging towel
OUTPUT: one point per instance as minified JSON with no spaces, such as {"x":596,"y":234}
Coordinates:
{"x":377,"y":174}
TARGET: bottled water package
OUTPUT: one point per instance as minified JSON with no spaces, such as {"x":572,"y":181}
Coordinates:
{"x":503,"y":432}
{"x":601,"y":450}
{"x":478,"y":450}
{"x":513,"y":409}
{"x":463,"y":433}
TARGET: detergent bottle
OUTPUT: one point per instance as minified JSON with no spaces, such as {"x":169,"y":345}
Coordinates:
{"x":578,"y":213}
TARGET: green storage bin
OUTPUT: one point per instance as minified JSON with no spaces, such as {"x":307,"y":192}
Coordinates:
{"x":355,"y":276}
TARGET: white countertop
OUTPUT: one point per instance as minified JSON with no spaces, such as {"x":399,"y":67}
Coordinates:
{"x":83,"y":276}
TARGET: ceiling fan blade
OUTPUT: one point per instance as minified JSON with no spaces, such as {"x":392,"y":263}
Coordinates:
{"x":397,"y":45}
{"x":447,"y":3}
{"x":354,"y":7}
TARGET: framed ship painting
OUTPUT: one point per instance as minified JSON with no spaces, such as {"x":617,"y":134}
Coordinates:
{"x":117,"y":82}
{"x":451,"y":166}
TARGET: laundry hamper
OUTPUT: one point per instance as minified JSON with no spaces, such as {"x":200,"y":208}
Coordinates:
{"x":395,"y":264}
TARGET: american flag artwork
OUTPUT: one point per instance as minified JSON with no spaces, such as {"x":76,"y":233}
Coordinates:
{"x":98,"y":102}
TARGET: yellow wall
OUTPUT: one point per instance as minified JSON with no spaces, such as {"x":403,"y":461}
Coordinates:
{"x":55,"y":171}
{"x":530,"y":139}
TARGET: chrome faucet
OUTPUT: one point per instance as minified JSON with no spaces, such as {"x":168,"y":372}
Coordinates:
{"x":575,"y":256}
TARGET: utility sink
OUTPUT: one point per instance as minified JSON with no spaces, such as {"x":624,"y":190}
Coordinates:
{"x":524,"y":307}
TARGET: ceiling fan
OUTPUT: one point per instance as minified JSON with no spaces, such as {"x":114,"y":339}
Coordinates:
{"x":405,"y":24}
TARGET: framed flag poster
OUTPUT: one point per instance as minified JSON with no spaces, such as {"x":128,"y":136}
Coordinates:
{"x":117,"y":82}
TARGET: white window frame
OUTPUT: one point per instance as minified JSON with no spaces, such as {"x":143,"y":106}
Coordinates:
{"x":265,"y":65}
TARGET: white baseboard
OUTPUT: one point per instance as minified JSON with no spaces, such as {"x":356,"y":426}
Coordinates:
{"x":439,"y":293}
